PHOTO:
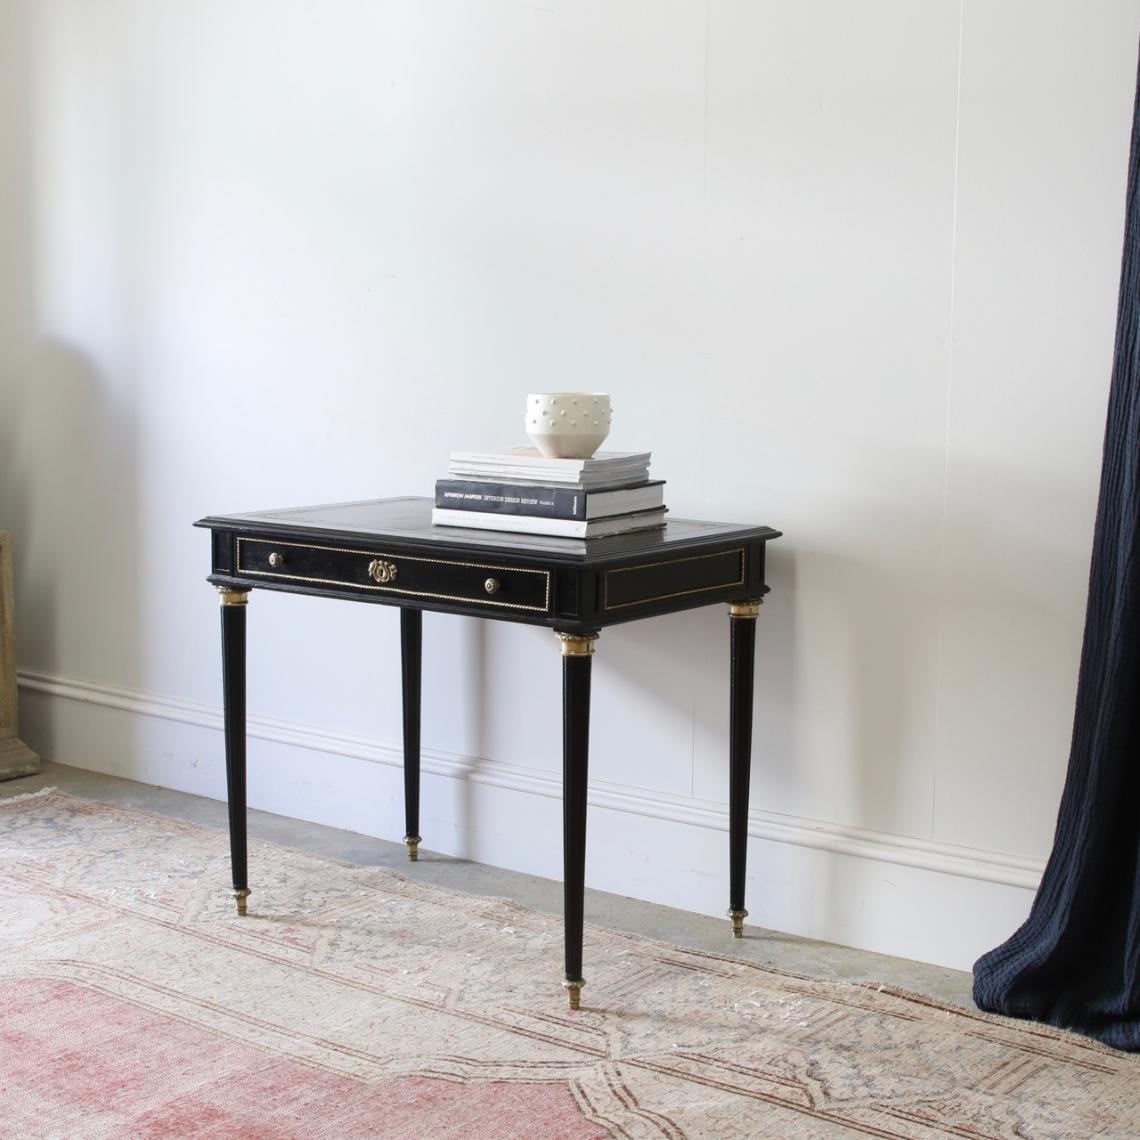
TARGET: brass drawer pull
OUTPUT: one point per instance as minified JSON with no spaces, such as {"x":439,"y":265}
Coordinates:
{"x":492,"y":585}
{"x":276,"y":559}
{"x":381,"y":571}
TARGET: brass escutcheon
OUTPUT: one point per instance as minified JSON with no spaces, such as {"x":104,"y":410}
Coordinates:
{"x":381,"y":571}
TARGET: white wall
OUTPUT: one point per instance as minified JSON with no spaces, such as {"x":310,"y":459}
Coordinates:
{"x":849,"y":270}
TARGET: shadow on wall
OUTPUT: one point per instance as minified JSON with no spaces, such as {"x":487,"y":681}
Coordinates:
{"x":660,"y":708}
{"x":67,"y":441}
{"x":896,"y":650}
{"x":476,"y":668}
{"x":951,"y":659}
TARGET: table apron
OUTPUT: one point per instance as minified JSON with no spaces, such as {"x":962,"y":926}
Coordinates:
{"x":384,"y":574}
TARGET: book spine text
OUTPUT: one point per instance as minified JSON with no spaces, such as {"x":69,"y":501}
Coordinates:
{"x":511,"y":499}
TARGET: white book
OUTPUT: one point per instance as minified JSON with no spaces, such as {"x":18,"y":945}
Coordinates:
{"x":603,"y":482}
{"x":532,"y":457}
{"x":556,"y":528}
{"x":528,"y":464}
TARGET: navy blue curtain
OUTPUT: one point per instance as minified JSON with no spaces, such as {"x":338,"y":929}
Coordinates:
{"x":1076,"y":961}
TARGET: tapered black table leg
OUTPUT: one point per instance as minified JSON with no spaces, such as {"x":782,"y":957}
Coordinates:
{"x":577,"y":653}
{"x":233,"y":687}
{"x":411,"y":640}
{"x":742,"y":620}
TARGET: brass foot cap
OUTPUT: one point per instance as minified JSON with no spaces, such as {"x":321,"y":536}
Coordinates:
{"x":240,"y":898}
{"x":738,"y":917}
{"x":413,"y":842}
{"x":574,"y":992}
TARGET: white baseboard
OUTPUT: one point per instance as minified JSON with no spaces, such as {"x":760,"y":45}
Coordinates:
{"x":893,"y":894}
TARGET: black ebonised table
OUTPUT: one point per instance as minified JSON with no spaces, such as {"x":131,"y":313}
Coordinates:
{"x":387,"y":551}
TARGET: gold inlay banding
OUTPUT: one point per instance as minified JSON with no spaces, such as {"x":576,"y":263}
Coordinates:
{"x":738,"y":580}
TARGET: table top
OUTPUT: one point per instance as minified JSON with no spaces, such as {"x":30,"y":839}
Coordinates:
{"x":409,"y":519}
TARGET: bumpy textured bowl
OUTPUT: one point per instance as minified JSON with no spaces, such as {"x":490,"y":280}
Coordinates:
{"x":568,"y":425}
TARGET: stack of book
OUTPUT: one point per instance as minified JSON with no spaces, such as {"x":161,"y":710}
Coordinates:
{"x":523,"y":491}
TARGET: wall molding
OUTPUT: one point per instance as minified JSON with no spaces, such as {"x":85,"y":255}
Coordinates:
{"x":884,"y":847}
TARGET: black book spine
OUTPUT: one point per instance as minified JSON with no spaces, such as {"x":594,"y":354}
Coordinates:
{"x":511,"y":499}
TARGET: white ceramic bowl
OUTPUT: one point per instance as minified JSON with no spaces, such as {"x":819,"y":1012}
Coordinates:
{"x":568,"y":425}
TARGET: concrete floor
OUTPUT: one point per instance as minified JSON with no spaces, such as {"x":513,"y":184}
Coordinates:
{"x":799,"y":955}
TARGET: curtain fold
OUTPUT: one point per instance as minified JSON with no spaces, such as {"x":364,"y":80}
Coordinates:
{"x":1075,"y":962}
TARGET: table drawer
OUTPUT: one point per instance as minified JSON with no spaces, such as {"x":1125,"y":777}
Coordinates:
{"x":396,"y":575}
{"x":686,"y":577}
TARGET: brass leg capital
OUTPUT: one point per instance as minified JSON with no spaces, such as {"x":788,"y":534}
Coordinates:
{"x":240,"y":898}
{"x":413,"y":842}
{"x":574,"y":992}
{"x":576,"y":644}
{"x":738,"y":917}
{"x":744,"y":609}
{"x":231,"y":597}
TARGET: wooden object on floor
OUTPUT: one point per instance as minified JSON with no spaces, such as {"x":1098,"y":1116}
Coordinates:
{"x":16,"y":758}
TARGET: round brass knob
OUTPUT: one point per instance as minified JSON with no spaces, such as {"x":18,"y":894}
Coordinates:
{"x":492,"y":585}
{"x":276,"y":559}
{"x":381,"y":571}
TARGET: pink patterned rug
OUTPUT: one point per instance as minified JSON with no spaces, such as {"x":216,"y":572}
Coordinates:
{"x":353,"y":1002}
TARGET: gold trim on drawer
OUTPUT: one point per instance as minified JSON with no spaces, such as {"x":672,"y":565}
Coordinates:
{"x":397,"y":559}
{"x":739,"y":581}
